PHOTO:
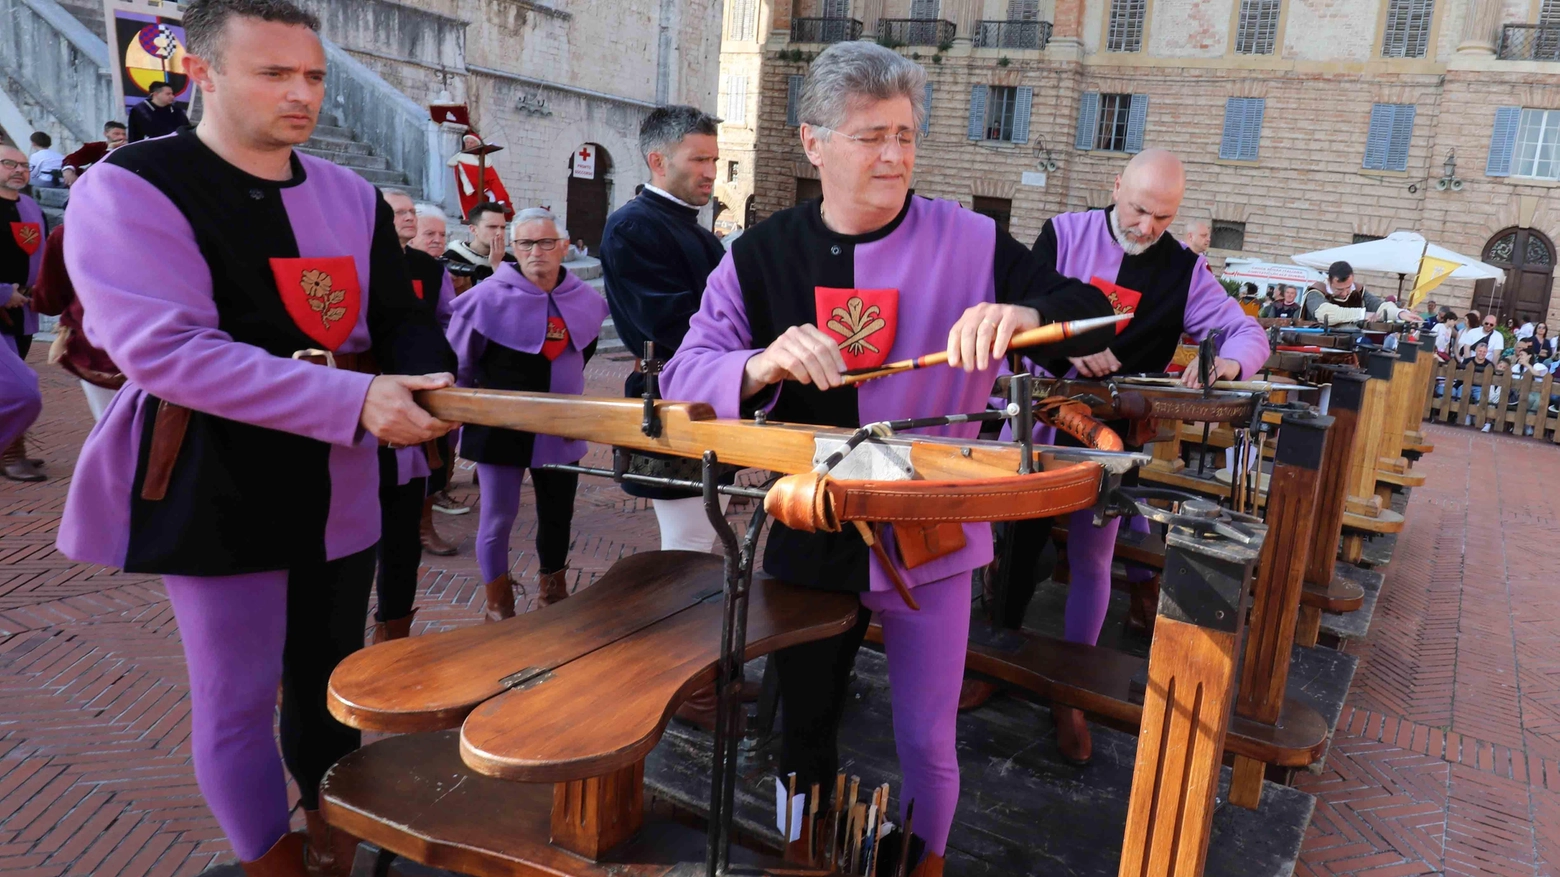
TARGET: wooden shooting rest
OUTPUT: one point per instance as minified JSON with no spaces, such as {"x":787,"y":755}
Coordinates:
{"x":1267,"y":728}
{"x":556,"y":710}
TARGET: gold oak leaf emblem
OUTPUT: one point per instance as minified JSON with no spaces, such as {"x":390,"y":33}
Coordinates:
{"x":29,"y":235}
{"x":322,"y":299}
{"x":857,"y":323}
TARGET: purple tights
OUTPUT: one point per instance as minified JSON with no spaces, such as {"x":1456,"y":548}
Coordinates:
{"x":1090,"y":550}
{"x":233,"y":629}
{"x":925,"y":652}
{"x":501,"y":505}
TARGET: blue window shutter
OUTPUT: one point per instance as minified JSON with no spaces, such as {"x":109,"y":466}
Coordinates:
{"x":1503,"y":141}
{"x":1137,"y":117}
{"x":1402,"y":136}
{"x":1026,"y":97}
{"x":1088,"y":120}
{"x":1234,"y":117}
{"x":926,"y":123}
{"x":978,"y":112}
{"x":1378,"y":138}
{"x":793,"y":94}
{"x":1251,"y":128}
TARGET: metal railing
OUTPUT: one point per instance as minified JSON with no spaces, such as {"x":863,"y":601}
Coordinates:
{"x":915,"y":32}
{"x":824,"y":30}
{"x":381,"y":115}
{"x":1530,"y":42}
{"x":1012,"y":34}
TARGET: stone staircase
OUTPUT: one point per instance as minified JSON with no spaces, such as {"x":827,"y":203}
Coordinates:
{"x":339,"y":145}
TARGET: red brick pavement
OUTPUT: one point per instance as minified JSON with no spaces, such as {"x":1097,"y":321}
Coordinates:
{"x":1446,"y":761}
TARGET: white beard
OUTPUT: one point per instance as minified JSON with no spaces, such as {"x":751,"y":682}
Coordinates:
{"x":1130,"y":247}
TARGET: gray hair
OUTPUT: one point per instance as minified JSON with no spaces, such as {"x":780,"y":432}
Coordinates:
{"x":665,"y":127}
{"x":538,"y":214}
{"x":856,"y":69}
{"x":426,"y":209}
{"x":395,"y":193}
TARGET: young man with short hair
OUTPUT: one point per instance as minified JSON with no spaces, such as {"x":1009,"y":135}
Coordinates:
{"x":157,"y":116}
{"x":90,"y":154}
{"x":483,"y":252}
{"x":44,"y":161}
{"x":1341,"y":300}
{"x":251,"y":294}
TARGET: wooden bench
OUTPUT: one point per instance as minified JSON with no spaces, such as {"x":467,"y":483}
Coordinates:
{"x":557,"y":710}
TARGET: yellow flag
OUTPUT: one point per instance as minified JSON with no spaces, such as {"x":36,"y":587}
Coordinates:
{"x":1432,"y":272}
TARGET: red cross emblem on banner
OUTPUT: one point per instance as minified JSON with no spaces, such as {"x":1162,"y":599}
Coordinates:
{"x":1122,"y":299}
{"x":321,"y":295}
{"x":862,"y":322}
{"x":584,"y":153}
{"x":28,"y":236}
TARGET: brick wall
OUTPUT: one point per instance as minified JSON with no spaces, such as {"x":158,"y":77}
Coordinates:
{"x":1307,"y":190}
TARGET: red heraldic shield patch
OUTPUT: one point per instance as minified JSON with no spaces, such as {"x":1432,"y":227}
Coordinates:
{"x":321,"y":295}
{"x":417,"y":288}
{"x":1122,"y":299}
{"x":862,"y":322}
{"x":28,"y":236}
{"x":557,"y":338}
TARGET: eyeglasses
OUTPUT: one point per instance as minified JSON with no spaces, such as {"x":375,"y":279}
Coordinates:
{"x":906,"y":139}
{"x":10,"y":165}
{"x":543,"y":244}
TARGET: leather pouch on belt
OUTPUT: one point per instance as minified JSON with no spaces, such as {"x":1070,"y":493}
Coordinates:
{"x":920,"y":543}
{"x":167,"y":437}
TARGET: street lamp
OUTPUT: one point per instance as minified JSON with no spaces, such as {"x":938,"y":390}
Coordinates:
{"x":1448,"y":178}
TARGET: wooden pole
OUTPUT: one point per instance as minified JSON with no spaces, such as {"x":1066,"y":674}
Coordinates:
{"x":1424,"y":379}
{"x":1291,"y":519}
{"x":1348,"y":391}
{"x":1400,"y":399}
{"x":1367,"y":438}
{"x":1186,"y":707}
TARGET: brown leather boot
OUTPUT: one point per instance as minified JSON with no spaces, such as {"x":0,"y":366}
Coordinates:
{"x":500,"y":599}
{"x":974,"y":694}
{"x":1072,"y":734}
{"x":931,"y":866}
{"x":283,"y":859}
{"x":330,"y":850}
{"x":553,"y":587}
{"x":15,"y":465}
{"x":431,"y":543}
{"x":395,"y":628}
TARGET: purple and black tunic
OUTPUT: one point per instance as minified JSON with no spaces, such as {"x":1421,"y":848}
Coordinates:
{"x":939,"y":260}
{"x":510,"y":335}
{"x":22,"y":235}
{"x":181,"y":288}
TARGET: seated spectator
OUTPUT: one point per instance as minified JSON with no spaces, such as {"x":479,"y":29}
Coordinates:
{"x":1485,"y":332}
{"x":1522,"y":366}
{"x":90,"y":154}
{"x":1526,"y":329}
{"x":1482,"y":365}
{"x":46,"y":164}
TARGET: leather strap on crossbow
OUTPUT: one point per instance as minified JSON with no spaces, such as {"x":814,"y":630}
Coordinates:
{"x":1075,"y":419}
{"x":810,"y":502}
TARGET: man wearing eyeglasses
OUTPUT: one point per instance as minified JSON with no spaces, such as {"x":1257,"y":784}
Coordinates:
{"x":868,"y":273}
{"x":21,"y":256}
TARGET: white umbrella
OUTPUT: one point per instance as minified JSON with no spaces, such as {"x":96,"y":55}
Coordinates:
{"x":1397,"y":253}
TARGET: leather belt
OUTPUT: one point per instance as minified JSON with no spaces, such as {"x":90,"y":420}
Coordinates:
{"x":173,"y":421}
{"x":810,"y":502}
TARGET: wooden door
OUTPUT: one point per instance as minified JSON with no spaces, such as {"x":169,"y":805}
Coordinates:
{"x":1529,"y":260}
{"x":589,"y":199}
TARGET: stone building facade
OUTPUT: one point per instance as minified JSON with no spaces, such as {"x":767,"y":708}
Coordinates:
{"x":1305,"y":124}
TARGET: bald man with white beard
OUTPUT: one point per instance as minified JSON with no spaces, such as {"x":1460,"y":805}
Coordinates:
{"x":1127,"y":251}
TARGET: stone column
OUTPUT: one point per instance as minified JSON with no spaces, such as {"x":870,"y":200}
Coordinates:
{"x":1481,"y":26}
{"x":963,"y":14}
{"x":450,"y":135}
{"x":1067,"y":29}
{"x":868,"y":12}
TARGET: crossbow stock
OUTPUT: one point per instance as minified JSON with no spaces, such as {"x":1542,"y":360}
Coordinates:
{"x":884,"y":478}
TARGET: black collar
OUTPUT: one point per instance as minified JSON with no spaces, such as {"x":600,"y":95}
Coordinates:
{"x":815,"y":218}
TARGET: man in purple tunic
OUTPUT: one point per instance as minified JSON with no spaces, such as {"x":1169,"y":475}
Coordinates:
{"x":249,"y":293}
{"x":531,"y":328}
{"x":1171,"y":291}
{"x":871,"y":273}
{"x":21,"y":255}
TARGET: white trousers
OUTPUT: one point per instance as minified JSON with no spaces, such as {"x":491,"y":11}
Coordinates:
{"x":684,"y":525}
{"x":97,"y":398}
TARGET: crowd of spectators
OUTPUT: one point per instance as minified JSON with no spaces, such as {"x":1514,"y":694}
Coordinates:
{"x":1500,"y":354}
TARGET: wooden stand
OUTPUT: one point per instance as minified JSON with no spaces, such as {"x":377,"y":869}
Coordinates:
{"x":1348,"y":390}
{"x":1291,"y":517}
{"x":1186,"y":708}
{"x":592,"y":816}
{"x":1424,"y":382}
{"x":1400,"y":398}
{"x":1363,"y":500}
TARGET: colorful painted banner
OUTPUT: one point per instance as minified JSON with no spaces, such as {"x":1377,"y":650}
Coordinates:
{"x":147,"y":45}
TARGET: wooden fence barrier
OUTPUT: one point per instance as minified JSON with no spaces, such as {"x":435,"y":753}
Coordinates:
{"x":1527,"y":406}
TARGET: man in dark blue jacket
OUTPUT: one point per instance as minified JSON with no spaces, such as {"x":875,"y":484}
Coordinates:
{"x":656,"y":257}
